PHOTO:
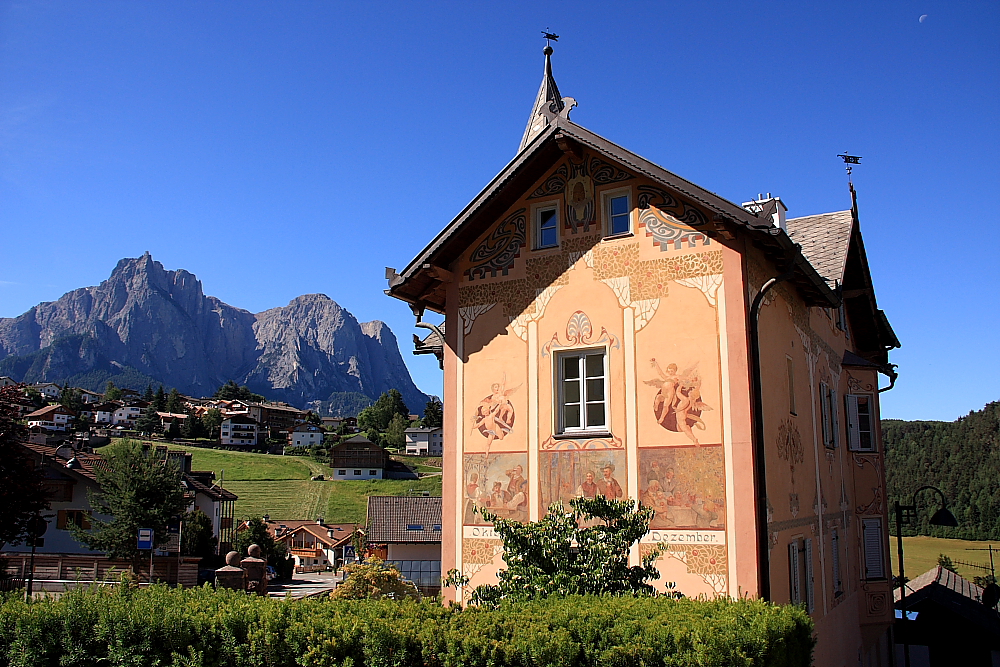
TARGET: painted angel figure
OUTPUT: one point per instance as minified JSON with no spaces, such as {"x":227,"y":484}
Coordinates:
{"x":678,"y":405}
{"x":494,"y":415}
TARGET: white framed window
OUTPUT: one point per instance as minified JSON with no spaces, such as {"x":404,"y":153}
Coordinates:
{"x":871,"y":528}
{"x":617,"y":205}
{"x":860,"y":435}
{"x":582,"y":391}
{"x":546,"y":217}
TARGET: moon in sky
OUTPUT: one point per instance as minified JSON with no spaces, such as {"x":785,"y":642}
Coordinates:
{"x":923,"y":17}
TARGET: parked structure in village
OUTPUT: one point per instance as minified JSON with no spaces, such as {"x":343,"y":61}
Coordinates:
{"x":602,"y":337}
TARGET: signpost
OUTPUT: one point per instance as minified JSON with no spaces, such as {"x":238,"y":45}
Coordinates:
{"x":36,"y":528}
{"x":145,"y":542}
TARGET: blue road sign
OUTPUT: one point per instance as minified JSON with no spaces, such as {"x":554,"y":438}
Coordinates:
{"x":145,"y":539}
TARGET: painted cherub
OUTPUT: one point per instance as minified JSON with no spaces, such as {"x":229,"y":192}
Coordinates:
{"x":494,"y":415}
{"x":678,"y":405}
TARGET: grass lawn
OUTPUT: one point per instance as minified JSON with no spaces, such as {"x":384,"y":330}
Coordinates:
{"x":280,"y":486}
{"x":921,"y":553}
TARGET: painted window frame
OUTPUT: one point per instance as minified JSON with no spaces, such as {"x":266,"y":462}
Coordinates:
{"x":606,"y":197}
{"x":553,"y":205}
{"x":559,"y":402}
{"x":860,"y":436}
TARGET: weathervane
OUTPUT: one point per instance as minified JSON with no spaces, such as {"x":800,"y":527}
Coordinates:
{"x":849,"y":160}
{"x":549,"y":36}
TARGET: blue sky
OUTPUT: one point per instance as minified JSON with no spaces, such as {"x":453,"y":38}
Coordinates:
{"x":277,"y":149}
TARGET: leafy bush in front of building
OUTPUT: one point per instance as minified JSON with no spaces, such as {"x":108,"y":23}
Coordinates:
{"x":203,"y":627}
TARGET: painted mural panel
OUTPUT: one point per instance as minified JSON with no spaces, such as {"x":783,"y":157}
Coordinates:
{"x":685,"y":485}
{"x":498,"y":483}
{"x":565,"y":475}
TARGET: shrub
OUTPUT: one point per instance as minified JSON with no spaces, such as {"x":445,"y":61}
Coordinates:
{"x":202,"y":626}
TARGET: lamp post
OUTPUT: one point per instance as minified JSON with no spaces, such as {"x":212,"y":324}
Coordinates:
{"x":905,"y":515}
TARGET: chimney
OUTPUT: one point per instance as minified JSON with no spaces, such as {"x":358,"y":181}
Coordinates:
{"x":319,"y":520}
{"x":758,"y":205}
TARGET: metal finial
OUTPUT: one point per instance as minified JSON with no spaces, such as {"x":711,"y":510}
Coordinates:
{"x":849,"y":160}
{"x":549,"y":36}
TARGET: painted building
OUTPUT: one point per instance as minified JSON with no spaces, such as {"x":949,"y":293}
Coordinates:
{"x":424,"y":441}
{"x":600,"y":338}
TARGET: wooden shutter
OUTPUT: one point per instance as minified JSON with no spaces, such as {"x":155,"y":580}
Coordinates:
{"x":791,"y":384}
{"x":61,"y":519}
{"x":853,"y":435}
{"x":874,"y":561}
{"x":794,"y":578}
{"x":824,"y":409}
{"x":810,"y":590}
{"x":834,"y":419}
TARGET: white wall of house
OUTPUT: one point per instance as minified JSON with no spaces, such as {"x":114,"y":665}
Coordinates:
{"x":423,"y":442}
{"x":357,"y":473}
{"x":306,"y":438}
{"x":126,"y":415}
{"x":60,"y":540}
{"x":238,"y":434}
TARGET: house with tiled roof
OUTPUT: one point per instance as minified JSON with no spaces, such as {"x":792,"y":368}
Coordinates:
{"x":316,"y":545}
{"x":51,"y":418}
{"x":613,"y":328}
{"x":358,"y":458}
{"x":240,"y":430}
{"x":406,"y":532}
{"x":305,"y":435}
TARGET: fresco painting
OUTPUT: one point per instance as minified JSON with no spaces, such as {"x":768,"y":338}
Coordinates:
{"x":494,"y":416}
{"x":565,"y":475}
{"x":498,"y":483}
{"x":685,"y":485}
{"x":677,"y":404}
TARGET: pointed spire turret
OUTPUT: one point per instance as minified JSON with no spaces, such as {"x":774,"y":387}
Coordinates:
{"x":549,"y":104}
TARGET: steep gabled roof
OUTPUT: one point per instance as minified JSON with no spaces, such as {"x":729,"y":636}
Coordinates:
{"x":420,"y":282}
{"x":825,"y":239}
{"x":396,"y":519}
{"x":949,"y":591}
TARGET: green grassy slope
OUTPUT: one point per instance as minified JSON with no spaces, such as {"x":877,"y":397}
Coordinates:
{"x":921,"y":553}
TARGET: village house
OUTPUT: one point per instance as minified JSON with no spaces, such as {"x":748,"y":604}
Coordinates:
{"x":405,"y":531}
{"x":51,"y":418}
{"x":70,"y":474}
{"x":168,"y":418}
{"x":47,"y":389}
{"x":315,"y":546}
{"x":90,"y":397}
{"x":104,"y":412}
{"x":128,"y":413}
{"x":6,"y":381}
{"x":358,"y":458}
{"x":614,"y":329}
{"x":305,"y":435}
{"x":239,"y":430}
{"x":424,"y":441}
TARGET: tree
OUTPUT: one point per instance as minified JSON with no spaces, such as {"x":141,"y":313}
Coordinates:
{"x":175,"y":402}
{"x":373,"y":580}
{"x":433,"y":414}
{"x":173,"y":430}
{"x":378,"y":415}
{"x":34,"y":396}
{"x":314,"y":418}
{"x":395,"y":434}
{"x":112,"y":393}
{"x":256,"y":533}
{"x":71,"y":398}
{"x":149,"y":422}
{"x":196,"y":535}
{"x":22,"y":494}
{"x":148,"y":395}
{"x":139,"y":488}
{"x":945,"y":561}
{"x":193,"y":426}
{"x":555,"y":556}
{"x":234,"y":392}
{"x":212,"y":420}
{"x":159,"y":400}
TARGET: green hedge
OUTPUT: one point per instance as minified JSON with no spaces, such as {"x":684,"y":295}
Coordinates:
{"x":172,"y":626}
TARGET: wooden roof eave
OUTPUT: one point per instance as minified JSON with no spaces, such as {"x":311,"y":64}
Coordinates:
{"x":416,"y":286}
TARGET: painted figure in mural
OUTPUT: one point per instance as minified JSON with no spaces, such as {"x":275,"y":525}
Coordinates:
{"x":609,"y":486}
{"x":516,"y":488}
{"x":678,"y":405}
{"x":472,"y":488}
{"x":588,"y":487}
{"x":495,"y":414}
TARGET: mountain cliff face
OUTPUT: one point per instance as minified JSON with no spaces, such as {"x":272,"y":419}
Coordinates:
{"x":146,"y":323}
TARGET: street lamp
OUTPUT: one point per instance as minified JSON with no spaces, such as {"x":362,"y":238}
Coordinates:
{"x":905,"y":516}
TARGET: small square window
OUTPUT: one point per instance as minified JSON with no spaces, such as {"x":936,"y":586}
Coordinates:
{"x":341,"y":472}
{"x":547,"y":227}
{"x":372,"y":472}
{"x":357,"y":472}
{"x":618,"y":211}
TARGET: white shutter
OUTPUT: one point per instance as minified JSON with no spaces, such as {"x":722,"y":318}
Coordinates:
{"x":824,"y":409}
{"x":834,"y":419}
{"x":853,"y":435}
{"x":810,"y":591}
{"x":874,"y":565}
{"x":795,"y":580}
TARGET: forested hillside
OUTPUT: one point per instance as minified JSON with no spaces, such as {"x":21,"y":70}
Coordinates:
{"x":962,"y":458}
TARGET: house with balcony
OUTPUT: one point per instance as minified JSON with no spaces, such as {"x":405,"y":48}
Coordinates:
{"x":305,"y":435}
{"x":51,"y":418}
{"x":104,"y":413}
{"x":406,"y":532}
{"x":239,"y":431}
{"x":128,"y":413}
{"x":315,"y":546}
{"x":424,"y":441}
{"x":47,"y":389}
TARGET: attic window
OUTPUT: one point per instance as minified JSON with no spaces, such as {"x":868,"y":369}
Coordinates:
{"x":437,"y":527}
{"x":415,"y":526}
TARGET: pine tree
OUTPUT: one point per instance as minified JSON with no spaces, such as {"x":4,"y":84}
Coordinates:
{"x":111,"y":392}
{"x":160,"y":400}
{"x":433,"y":414}
{"x":148,"y":395}
{"x":175,"y":402}
{"x":149,"y":422}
